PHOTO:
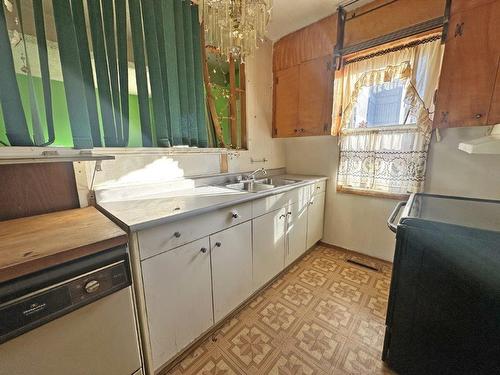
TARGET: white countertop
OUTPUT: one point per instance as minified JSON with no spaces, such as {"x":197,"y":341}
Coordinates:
{"x":159,"y":208}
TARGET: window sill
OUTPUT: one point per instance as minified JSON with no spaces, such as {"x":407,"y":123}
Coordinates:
{"x":372,"y":193}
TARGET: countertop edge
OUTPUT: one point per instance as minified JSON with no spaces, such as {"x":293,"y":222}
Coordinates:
{"x":184,"y":215}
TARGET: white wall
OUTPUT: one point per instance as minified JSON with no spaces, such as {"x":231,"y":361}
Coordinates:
{"x":358,"y":222}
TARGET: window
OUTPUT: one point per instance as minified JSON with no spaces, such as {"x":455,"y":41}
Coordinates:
{"x":102,"y":73}
{"x":227,"y":89}
{"x":382,"y":113}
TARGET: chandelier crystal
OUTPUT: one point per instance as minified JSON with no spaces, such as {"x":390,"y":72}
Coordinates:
{"x":235,"y":27}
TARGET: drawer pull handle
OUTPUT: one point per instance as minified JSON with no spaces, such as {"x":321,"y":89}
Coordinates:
{"x":311,"y":203}
{"x":478,"y":116}
{"x":203,"y":250}
{"x":218,"y":244}
{"x":177,"y":234}
{"x":282,"y":216}
{"x":289,"y":213}
{"x":318,"y":187}
{"x":235,"y":215}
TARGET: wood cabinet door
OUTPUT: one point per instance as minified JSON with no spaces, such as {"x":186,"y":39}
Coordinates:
{"x":268,"y":246}
{"x":315,"y":218}
{"x":296,"y":232}
{"x":231,"y":253}
{"x":469,"y":67}
{"x":178,"y":290}
{"x":315,"y":96}
{"x":286,"y":102}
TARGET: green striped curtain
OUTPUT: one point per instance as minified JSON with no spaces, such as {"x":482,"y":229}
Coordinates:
{"x":169,"y":40}
{"x":94,"y":55}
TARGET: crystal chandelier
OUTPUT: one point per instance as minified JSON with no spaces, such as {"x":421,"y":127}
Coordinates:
{"x":235,"y":27}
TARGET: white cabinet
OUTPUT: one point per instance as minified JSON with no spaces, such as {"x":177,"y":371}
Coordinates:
{"x":178,"y":291}
{"x":296,"y":232}
{"x":315,"y":216}
{"x":231,"y":252}
{"x":268,"y":246}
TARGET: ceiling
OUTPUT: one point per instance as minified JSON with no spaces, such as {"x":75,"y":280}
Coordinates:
{"x":288,"y":16}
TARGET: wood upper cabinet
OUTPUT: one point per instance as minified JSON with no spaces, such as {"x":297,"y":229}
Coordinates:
{"x":303,"y":99}
{"x":286,"y":102}
{"x":467,"y":84}
{"x":316,"y":96}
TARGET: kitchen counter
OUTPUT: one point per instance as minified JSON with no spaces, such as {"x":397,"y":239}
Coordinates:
{"x":146,"y":211}
{"x":38,"y":242}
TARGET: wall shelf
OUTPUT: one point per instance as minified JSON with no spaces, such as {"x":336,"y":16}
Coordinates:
{"x":32,"y":155}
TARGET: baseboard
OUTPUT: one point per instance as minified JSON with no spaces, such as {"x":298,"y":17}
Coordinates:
{"x":353,"y":252}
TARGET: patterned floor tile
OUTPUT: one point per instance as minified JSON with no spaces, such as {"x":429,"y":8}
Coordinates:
{"x":335,"y":315}
{"x":346,"y":292}
{"x":356,"y":275}
{"x":324,"y":316}
{"x":357,"y":359}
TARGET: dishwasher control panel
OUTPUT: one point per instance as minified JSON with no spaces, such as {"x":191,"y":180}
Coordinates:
{"x":39,"y":307}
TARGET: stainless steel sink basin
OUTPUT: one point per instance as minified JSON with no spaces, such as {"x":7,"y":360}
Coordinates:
{"x":250,"y":186}
{"x":276,"y":181}
{"x":254,"y":186}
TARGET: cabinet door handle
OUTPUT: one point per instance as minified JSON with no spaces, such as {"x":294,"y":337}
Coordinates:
{"x":203,"y":250}
{"x":218,"y":244}
{"x":478,"y":116}
{"x":177,"y":234}
{"x":289,"y":213}
{"x":318,"y":187}
{"x":282,"y":216}
{"x":311,"y":203}
{"x":295,"y":130}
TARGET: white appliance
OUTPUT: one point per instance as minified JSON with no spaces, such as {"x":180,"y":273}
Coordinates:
{"x":77,"y":318}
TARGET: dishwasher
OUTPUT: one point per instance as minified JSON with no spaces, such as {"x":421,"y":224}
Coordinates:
{"x":77,"y":318}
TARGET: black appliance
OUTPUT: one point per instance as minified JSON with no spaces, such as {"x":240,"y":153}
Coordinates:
{"x":444,"y":306}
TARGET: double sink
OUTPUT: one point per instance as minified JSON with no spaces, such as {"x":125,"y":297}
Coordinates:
{"x":257,"y":185}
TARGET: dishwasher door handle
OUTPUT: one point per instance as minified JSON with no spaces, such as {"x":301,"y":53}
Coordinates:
{"x":390,"y":222}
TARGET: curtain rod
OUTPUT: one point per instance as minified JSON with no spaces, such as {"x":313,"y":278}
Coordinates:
{"x":354,"y":15}
{"x":386,"y":51}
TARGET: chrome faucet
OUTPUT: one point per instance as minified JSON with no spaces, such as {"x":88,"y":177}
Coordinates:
{"x":252,"y":175}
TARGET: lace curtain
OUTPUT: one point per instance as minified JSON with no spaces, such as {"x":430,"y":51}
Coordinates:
{"x":387,"y":157}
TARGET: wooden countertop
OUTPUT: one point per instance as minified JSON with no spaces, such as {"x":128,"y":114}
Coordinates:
{"x":34,"y":243}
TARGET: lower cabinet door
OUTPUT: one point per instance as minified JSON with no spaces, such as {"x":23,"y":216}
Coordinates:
{"x":231,"y":252}
{"x":315,"y":217}
{"x":268,"y":246}
{"x":178,"y":290}
{"x":296,"y":232}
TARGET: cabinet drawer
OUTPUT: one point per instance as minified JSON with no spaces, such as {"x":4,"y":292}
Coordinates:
{"x":318,"y":187}
{"x":299,"y":195}
{"x":164,"y":237}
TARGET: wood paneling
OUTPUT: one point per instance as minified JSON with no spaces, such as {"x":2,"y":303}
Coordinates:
{"x":494,"y":115}
{"x":470,"y":65}
{"x":286,"y":102}
{"x":34,"y":243}
{"x":319,"y":38}
{"x":390,"y":18}
{"x":311,"y":42}
{"x":33,"y":189}
{"x":461,"y":5}
{"x":315,"y":96}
